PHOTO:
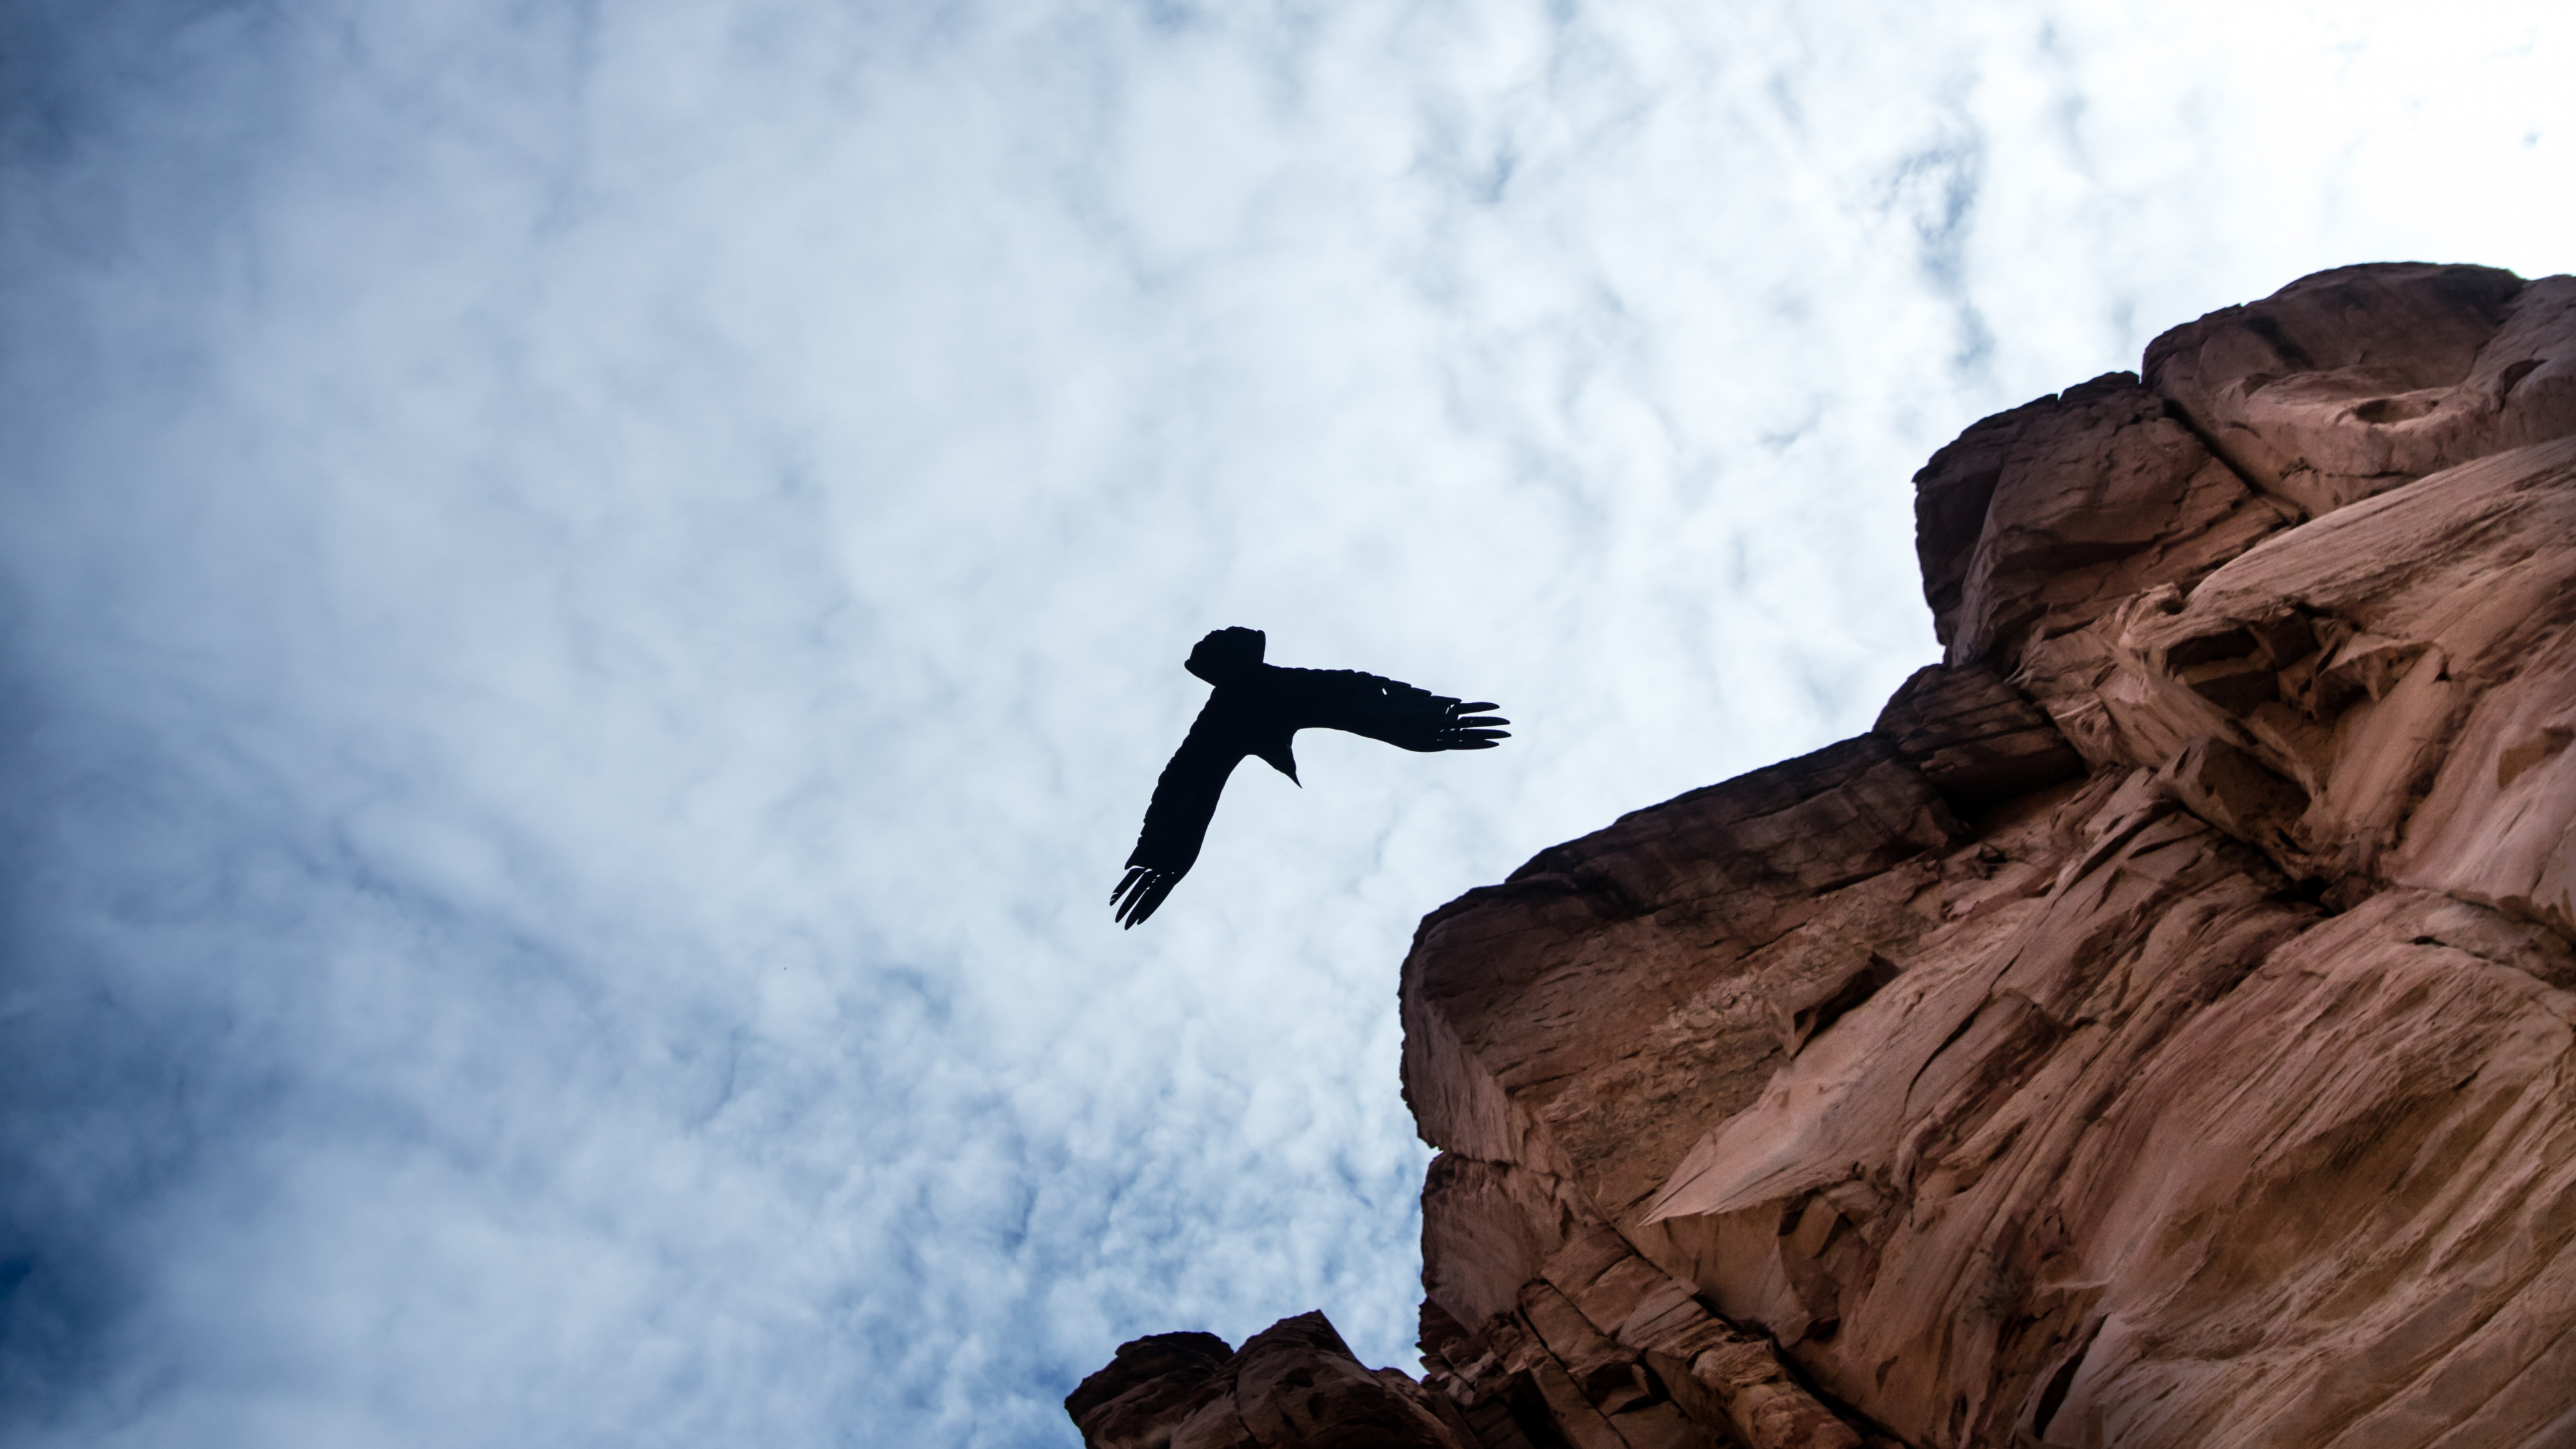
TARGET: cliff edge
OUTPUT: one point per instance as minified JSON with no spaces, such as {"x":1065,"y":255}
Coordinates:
{"x":2159,"y":1030}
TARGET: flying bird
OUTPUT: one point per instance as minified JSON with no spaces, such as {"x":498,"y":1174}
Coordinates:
{"x":1256,"y":710}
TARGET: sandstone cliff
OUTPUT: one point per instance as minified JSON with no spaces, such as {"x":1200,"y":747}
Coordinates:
{"x":2159,"y":1030}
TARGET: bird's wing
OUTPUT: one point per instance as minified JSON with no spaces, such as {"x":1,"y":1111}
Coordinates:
{"x":1389,"y":710}
{"x":1177,"y":819}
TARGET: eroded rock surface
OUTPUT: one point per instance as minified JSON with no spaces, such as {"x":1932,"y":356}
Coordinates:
{"x":2160,"y":1030}
{"x":1294,"y":1385}
{"x":2042,"y":519}
{"x":2351,"y":382}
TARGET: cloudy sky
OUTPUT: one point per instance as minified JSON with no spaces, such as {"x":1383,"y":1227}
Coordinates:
{"x":590,"y":595}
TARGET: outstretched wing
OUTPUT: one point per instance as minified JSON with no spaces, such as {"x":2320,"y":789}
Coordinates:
{"x":1389,"y":710}
{"x":1177,"y":819}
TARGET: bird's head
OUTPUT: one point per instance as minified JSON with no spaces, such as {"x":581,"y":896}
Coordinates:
{"x":1227,"y":655}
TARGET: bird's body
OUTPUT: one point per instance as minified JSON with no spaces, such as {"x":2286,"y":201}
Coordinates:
{"x":1256,"y":712}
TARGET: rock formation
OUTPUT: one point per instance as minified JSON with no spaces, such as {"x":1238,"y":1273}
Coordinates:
{"x":2159,"y":1030}
{"x":1293,"y":1383}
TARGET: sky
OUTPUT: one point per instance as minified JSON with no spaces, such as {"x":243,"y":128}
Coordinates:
{"x":591,"y":594}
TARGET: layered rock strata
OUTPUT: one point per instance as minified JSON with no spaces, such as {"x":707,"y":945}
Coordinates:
{"x":2159,"y":1030}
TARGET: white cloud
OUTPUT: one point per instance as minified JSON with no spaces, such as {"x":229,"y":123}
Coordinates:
{"x":593,"y":596}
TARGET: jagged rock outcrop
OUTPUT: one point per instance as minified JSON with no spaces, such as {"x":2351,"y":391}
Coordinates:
{"x":2351,"y":382}
{"x":1294,"y":1385}
{"x":2160,"y":1030}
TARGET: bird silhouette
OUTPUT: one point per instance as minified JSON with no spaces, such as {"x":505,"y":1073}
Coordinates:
{"x":1256,"y":710}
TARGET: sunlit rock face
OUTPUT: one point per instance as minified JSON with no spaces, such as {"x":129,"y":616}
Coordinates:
{"x":2352,"y":382}
{"x":2159,"y":1030}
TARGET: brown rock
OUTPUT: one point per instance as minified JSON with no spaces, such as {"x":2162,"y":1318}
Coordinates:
{"x":1974,"y":737}
{"x":2348,"y":383}
{"x":1566,"y":1020}
{"x":1294,"y":1385}
{"x":2002,"y":1195}
{"x":1487,"y":1229}
{"x":2039,"y":520}
{"x":2381,"y":697}
{"x":2216,"y":1097}
{"x":1602,"y":1346}
{"x":1153,"y":1384}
